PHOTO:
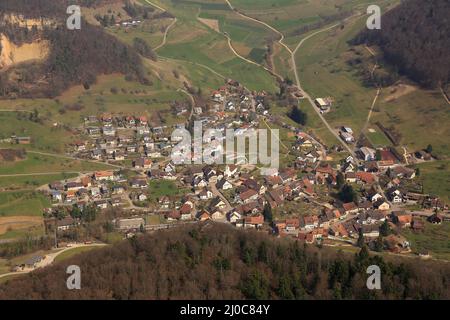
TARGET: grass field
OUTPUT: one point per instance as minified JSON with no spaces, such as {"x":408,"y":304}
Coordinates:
{"x":324,"y":73}
{"x":420,"y":118}
{"x":28,"y":228}
{"x":159,"y":188}
{"x":435,"y":239}
{"x":29,"y":182}
{"x":22,"y":203}
{"x":154,"y":219}
{"x":73,"y":252}
{"x":38,"y":163}
{"x":378,"y":138}
{"x":435,"y":177}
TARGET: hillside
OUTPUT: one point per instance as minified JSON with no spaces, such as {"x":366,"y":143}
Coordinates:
{"x":215,"y":261}
{"x":72,"y":57}
{"x":414,"y":38}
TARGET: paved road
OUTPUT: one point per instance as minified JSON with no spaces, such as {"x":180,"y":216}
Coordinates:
{"x":217,"y":193}
{"x":308,"y":97}
{"x":50,"y":258}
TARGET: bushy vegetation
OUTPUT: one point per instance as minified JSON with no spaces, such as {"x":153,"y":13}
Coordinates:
{"x":214,"y":261}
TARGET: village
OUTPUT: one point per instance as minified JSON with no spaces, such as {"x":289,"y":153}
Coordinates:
{"x":308,"y":199}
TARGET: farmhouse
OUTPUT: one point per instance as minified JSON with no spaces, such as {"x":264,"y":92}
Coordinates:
{"x":324,"y":104}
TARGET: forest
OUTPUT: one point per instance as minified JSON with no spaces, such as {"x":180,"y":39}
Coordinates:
{"x":217,"y":261}
{"x":415,"y":40}
{"x":76,"y":56}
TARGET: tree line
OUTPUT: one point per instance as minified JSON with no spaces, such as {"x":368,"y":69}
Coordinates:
{"x":216,"y":261}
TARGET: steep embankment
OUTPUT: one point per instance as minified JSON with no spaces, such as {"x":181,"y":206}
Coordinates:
{"x":12,"y":54}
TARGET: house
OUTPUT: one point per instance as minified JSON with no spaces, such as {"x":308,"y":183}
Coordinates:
{"x":365,"y":177}
{"x":118,"y":156}
{"x":205,"y":194}
{"x":292,"y":225}
{"x":436,"y":218}
{"x":109,"y":131}
{"x":164,"y":202}
{"x":323,"y":104}
{"x":104,"y":175}
{"x":306,"y":237}
{"x":56,"y":195}
{"x":309,"y":222}
{"x":74,"y":186}
{"x":374,"y":196}
{"x":218,"y":203}
{"x":93,"y":131}
{"x":350,"y":177}
{"x":118,"y":189}
{"x":66,"y":223}
{"x":401,"y":172}
{"x":253,"y":221}
{"x":199,"y":182}
{"x":233,"y":216}
{"x":249,"y":195}
{"x":217,"y":215}
{"x":173,"y":215}
{"x":381,"y":204}
{"x":371,"y":217}
{"x":413,"y":198}
{"x":116,"y":202}
{"x":33,"y":262}
{"x":185,"y":210}
{"x":95,"y":191}
{"x":96,"y":154}
{"x":203,"y":216}
{"x":139,"y":183}
{"x":347,"y":137}
{"x":273,"y":181}
{"x":395,"y":195}
{"x":370,"y":230}
{"x":70,"y":195}
{"x":348,"y":167}
{"x":401,"y":218}
{"x":338,"y":230}
{"x":143,"y":120}
{"x":101,"y":204}
{"x":367,"y":154}
{"x":350,"y":208}
{"x":142,"y":163}
{"x":23,"y":140}
{"x":224,"y":185}
{"x":230,"y":170}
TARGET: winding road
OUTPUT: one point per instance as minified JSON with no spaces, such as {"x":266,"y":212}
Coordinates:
{"x":50,"y":258}
{"x":163,"y":43}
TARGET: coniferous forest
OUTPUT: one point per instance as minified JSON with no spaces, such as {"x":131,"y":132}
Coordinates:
{"x":415,"y":40}
{"x":216,"y":261}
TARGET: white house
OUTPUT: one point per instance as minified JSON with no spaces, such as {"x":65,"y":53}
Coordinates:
{"x":224,"y":185}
